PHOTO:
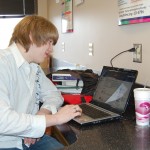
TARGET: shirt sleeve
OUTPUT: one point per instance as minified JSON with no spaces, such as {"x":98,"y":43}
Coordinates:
{"x":20,"y":124}
{"x":51,"y":97}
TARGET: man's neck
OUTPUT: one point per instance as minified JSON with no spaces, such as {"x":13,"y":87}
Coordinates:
{"x":23,"y":52}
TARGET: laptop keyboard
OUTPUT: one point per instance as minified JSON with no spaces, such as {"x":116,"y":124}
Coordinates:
{"x":93,"y":112}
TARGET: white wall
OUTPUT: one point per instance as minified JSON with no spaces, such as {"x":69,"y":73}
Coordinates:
{"x":6,"y":29}
{"x":97,"y":21}
{"x":42,"y":8}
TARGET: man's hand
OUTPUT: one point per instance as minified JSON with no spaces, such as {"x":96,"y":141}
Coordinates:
{"x":30,"y":141}
{"x":67,"y":113}
{"x":63,"y":115}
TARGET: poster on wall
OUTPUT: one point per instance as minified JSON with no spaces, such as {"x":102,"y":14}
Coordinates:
{"x":67,"y":21}
{"x":133,"y":11}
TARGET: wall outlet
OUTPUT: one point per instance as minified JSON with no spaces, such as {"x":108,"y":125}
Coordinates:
{"x":137,"y":55}
{"x":90,"y":49}
{"x":63,"y":46}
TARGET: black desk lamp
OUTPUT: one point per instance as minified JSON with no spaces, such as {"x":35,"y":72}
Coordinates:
{"x":129,"y":50}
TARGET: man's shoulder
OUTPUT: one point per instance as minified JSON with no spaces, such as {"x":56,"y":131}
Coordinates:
{"x":5,"y":52}
{"x":6,"y":59}
{"x":5,"y":55}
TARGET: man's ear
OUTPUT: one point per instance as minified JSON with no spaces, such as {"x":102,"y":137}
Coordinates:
{"x":31,"y":39}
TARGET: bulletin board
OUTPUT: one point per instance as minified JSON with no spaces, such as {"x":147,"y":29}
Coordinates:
{"x":67,"y":21}
{"x":133,"y":11}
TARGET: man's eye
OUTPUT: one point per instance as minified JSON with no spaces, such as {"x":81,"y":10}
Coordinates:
{"x":51,"y":42}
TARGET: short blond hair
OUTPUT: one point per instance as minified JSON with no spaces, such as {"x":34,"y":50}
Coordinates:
{"x":40,"y":29}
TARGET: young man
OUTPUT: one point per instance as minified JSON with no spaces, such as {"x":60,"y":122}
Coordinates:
{"x":23,"y":85}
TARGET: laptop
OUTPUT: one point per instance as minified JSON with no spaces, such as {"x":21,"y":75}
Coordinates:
{"x":110,"y":98}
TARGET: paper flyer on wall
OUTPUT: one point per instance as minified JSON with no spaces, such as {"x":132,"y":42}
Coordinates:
{"x":133,"y":11}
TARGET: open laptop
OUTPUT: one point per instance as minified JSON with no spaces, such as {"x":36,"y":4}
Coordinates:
{"x":110,"y":98}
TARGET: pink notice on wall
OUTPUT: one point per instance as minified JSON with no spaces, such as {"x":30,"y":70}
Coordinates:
{"x":133,"y":11}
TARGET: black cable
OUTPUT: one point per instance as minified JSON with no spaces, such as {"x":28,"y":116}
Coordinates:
{"x":130,"y":50}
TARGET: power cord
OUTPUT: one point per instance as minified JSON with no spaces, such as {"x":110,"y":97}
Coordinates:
{"x":129,"y":50}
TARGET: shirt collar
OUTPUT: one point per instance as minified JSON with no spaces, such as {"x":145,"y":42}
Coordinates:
{"x":17,"y":55}
{"x":20,"y":61}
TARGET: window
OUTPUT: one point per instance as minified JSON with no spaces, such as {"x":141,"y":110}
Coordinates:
{"x":9,"y":7}
{"x":17,"y":7}
{"x":6,"y":28}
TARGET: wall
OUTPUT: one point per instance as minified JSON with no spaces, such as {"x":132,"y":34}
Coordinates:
{"x":96,"y":21}
{"x":42,"y":8}
{"x":42,"y":11}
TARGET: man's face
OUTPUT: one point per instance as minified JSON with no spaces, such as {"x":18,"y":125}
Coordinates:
{"x":39,"y":54}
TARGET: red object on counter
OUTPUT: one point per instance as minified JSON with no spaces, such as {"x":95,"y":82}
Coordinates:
{"x":76,"y":98}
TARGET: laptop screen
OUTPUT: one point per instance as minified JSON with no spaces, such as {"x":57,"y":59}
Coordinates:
{"x":114,"y":87}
